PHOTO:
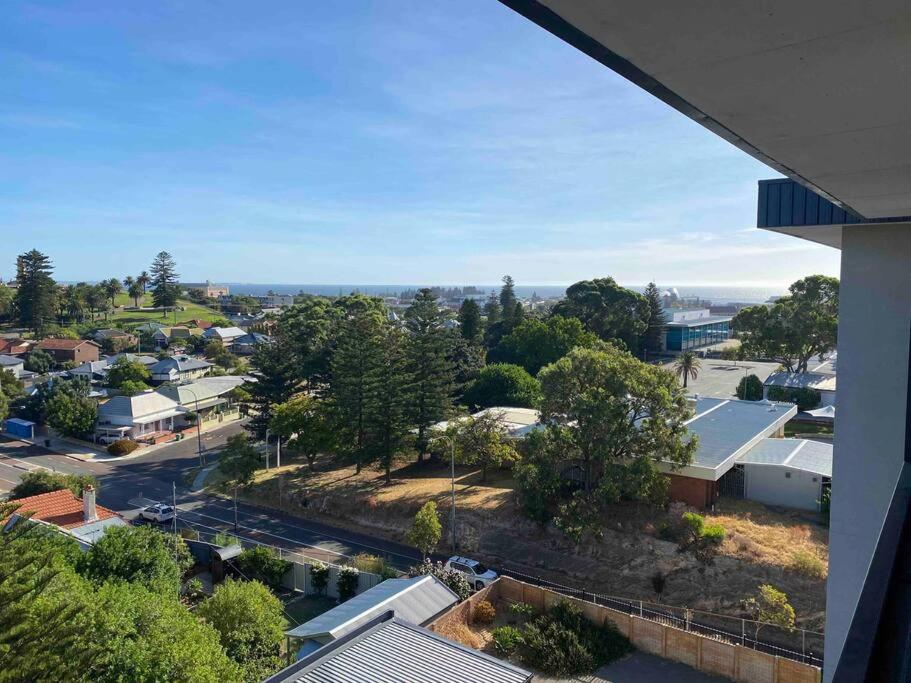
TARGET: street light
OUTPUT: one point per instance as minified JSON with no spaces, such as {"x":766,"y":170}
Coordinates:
{"x":198,"y":423}
{"x":452,"y":515}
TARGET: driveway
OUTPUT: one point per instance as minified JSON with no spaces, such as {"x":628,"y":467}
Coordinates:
{"x":640,"y":667}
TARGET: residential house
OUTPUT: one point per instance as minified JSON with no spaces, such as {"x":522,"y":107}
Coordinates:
{"x":148,"y":361}
{"x":179,"y":369}
{"x":198,"y":322}
{"x":389,"y":648}
{"x":136,"y":417}
{"x":93,"y":371}
{"x":70,"y":350}
{"x":206,"y":397}
{"x":167,"y":336}
{"x":16,"y":346}
{"x":246,"y":345}
{"x":148,"y":327}
{"x":275,"y":300}
{"x":516,"y":422}
{"x":115,"y":340}
{"x":14,"y":364}
{"x":82,"y":519}
{"x":226,"y":335}
{"x":822,"y":382}
{"x":417,"y":600}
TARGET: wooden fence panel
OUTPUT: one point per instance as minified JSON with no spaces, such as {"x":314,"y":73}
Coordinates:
{"x":754,"y":666}
{"x":790,"y":671}
{"x":717,"y":658}
{"x":682,"y":647}
{"x":648,"y":636}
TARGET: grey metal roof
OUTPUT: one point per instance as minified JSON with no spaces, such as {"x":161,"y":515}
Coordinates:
{"x":179,"y":363}
{"x":395,"y":651}
{"x":696,"y":322}
{"x":417,"y":600}
{"x":799,"y":454}
{"x":728,"y":428}
{"x":10,"y":361}
{"x":802,"y":380}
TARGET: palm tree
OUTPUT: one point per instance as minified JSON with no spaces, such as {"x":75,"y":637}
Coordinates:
{"x":111,"y":289}
{"x":687,"y":365}
{"x":144,"y":280}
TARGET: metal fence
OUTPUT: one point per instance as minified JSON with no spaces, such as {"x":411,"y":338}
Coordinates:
{"x":797,"y":644}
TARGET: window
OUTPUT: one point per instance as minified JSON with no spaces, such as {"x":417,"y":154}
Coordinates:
{"x":787,"y":475}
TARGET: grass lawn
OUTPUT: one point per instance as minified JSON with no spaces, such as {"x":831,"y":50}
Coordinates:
{"x":191,"y":311}
{"x":304,"y":609}
{"x":793,"y":428}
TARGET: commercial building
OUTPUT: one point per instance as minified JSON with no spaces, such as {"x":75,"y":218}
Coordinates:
{"x":824,"y":383}
{"x":817,"y":91}
{"x":695,"y":328}
{"x":788,"y":472}
{"x":209,"y":290}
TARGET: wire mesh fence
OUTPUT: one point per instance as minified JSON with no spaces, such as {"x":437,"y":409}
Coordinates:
{"x":796,"y":644}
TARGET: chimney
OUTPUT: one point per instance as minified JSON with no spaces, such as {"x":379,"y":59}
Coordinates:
{"x":88,"y":504}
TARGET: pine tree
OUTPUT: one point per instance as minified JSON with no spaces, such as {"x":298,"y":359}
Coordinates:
{"x":470,"y":321}
{"x":492,"y":310}
{"x":387,"y":405}
{"x":357,"y":356}
{"x":508,"y":304}
{"x":653,"y":339}
{"x":277,"y":378}
{"x":164,"y":281}
{"x":36,"y":297}
{"x":432,"y":372}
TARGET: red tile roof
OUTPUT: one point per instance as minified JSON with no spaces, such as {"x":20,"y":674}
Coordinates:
{"x":63,"y":344}
{"x":60,"y":508}
{"x":14,"y":345}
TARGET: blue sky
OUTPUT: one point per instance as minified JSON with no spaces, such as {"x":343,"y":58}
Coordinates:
{"x":358,"y":142}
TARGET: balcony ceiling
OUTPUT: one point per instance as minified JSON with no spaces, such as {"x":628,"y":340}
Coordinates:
{"x":819,"y":90}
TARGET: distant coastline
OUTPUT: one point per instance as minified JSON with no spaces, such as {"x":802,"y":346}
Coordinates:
{"x":716,"y":294}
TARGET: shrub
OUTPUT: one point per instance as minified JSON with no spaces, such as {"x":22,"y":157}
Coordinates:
{"x":701,"y":538}
{"x":771,"y":606}
{"x":806,"y":399}
{"x":484,"y":612}
{"x":37,"y":482}
{"x":522,"y":609}
{"x":122,"y":447}
{"x":456,"y":582}
{"x":347,"y":583}
{"x":319,"y":577}
{"x":193,"y":589}
{"x":365,"y":562}
{"x":506,"y":639}
{"x":262,"y":564}
{"x":808,"y":564}
{"x":223,"y":540}
{"x":749,"y":388}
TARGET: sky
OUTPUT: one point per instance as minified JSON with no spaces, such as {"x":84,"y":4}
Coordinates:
{"x":358,"y":142}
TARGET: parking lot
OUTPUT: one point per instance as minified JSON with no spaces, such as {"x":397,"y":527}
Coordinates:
{"x":719,"y":378}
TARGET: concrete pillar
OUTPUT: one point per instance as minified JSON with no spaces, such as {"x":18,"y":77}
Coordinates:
{"x":873,"y":348}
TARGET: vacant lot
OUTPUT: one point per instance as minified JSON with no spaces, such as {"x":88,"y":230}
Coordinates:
{"x":762,"y":545}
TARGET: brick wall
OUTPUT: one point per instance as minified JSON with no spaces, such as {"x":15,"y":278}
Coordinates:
{"x":696,"y":492}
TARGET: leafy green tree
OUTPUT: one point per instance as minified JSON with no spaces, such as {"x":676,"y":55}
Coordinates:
{"x":503,"y":385}
{"x":359,"y":347}
{"x":471,"y":326}
{"x":482,"y":441}
{"x":616,"y":418}
{"x":687,"y":366}
{"x":124,"y":370}
{"x":164,"y":281}
{"x":112,"y":288}
{"x":309,"y":328}
{"x":37,"y":292}
{"x":466,"y":358}
{"x":610,"y":311}
{"x":263,"y":564}
{"x":796,"y":327}
{"x":7,"y":302}
{"x":805,"y":397}
{"x":250,"y":624}
{"x":702,"y":539}
{"x":139,"y":555}
{"x":656,"y":323}
{"x":771,"y":606}
{"x":277,"y":378}
{"x":132,"y":388}
{"x":239,"y":462}
{"x":305,"y":425}
{"x":36,"y":482}
{"x":72,"y":302}
{"x":11,"y":386}
{"x":535,"y":343}
{"x":36,"y":407}
{"x":39,"y":361}
{"x":456,"y":581}
{"x":431,"y":373}
{"x":70,"y":414}
{"x":426,"y":530}
{"x":96,"y":298}
{"x":749,"y":388}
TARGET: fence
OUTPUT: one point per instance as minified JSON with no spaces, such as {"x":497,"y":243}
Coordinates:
{"x":799,"y":645}
{"x":298,"y":578}
{"x":706,"y":652}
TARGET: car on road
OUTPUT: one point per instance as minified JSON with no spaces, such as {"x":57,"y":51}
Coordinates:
{"x":477,"y":575}
{"x":159,"y":512}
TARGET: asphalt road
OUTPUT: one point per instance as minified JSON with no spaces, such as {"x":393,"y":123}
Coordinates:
{"x":152,"y":477}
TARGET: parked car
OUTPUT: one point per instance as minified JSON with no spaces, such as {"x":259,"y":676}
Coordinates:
{"x":159,"y":512}
{"x":477,"y":575}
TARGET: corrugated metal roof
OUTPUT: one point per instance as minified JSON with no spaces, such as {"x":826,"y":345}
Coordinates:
{"x":416,"y":600}
{"x":727,"y":428}
{"x":802,"y":380}
{"x":799,"y":454}
{"x":149,"y":404}
{"x":395,"y":651}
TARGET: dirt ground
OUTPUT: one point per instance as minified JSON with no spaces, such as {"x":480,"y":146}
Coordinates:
{"x":759,"y":548}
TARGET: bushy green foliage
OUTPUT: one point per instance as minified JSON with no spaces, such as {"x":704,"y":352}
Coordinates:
{"x":124,"y":370}
{"x":38,"y":360}
{"x":263,"y":564}
{"x":36,"y":482}
{"x":535,"y":343}
{"x":809,"y":564}
{"x":564,"y":642}
{"x":426,"y":530}
{"x":771,"y":606}
{"x":702,"y":539}
{"x":131,"y":388}
{"x":372,"y":564}
{"x":346,"y":583}
{"x":250,"y":624}
{"x":506,"y":639}
{"x":806,"y":399}
{"x":609,"y":310}
{"x":456,"y":582}
{"x":502,"y":384}
{"x":749,"y":388}
{"x":522,"y":609}
{"x":319,"y":577}
{"x":122,"y":447}
{"x":223,"y":539}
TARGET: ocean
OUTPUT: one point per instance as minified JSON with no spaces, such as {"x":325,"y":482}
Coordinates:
{"x":716,"y":294}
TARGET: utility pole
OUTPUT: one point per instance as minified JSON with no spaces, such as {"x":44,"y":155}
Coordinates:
{"x":235,"y":509}
{"x":174,"y":499}
{"x":278,"y":451}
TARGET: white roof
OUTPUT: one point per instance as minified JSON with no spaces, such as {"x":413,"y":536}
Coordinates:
{"x":820,"y":381}
{"x":798,"y":454}
{"x":517,"y":422}
{"x":144,"y":407}
{"x":825,"y":411}
{"x":225,"y":332}
{"x":416,"y":600}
